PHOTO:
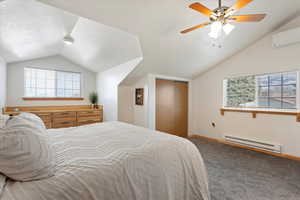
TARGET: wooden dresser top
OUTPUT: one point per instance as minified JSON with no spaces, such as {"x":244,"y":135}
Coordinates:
{"x":49,"y":109}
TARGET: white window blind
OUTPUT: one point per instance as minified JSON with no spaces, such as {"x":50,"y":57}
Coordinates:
{"x":51,"y":83}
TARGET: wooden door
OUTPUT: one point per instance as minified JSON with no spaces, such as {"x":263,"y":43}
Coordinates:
{"x":172,"y":107}
{"x":181,"y":108}
{"x":165,"y":104}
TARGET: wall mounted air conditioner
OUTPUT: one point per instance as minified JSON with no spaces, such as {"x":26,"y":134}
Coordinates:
{"x":253,"y":143}
{"x":289,"y":37}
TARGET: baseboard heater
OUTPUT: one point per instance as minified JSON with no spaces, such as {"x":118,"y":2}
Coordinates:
{"x":254,"y":144}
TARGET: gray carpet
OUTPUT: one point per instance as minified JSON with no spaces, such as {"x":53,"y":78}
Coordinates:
{"x":238,"y":174}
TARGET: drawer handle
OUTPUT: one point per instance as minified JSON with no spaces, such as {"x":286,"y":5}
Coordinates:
{"x":65,"y":113}
{"x":87,"y":112}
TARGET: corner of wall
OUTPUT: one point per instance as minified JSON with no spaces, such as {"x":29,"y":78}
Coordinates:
{"x":107,"y":86}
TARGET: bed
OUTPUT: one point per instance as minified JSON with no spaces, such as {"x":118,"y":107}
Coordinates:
{"x":117,"y":161}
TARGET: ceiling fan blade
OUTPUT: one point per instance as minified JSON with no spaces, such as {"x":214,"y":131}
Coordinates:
{"x":238,"y":5}
{"x":247,"y":18}
{"x":195,"y":27}
{"x":201,"y":8}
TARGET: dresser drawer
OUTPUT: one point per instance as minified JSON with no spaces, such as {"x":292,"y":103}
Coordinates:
{"x":65,"y":119}
{"x":89,"y":118}
{"x":81,"y":123}
{"x":64,"y":124}
{"x":84,"y":116}
{"x":88,"y":113}
{"x":64,"y":115}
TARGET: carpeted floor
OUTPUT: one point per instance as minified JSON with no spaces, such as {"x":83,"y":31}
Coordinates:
{"x":238,"y":174}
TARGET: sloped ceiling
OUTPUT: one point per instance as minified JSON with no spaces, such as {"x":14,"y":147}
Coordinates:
{"x":157,"y":23}
{"x":99,"y":47}
{"x":30,"y":29}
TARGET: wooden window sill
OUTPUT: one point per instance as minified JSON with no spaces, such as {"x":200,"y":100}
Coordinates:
{"x":254,"y":112}
{"x":53,"y":98}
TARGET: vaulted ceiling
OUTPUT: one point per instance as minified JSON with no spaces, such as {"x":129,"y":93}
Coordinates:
{"x":99,"y":47}
{"x":30,"y":29}
{"x":157,"y":23}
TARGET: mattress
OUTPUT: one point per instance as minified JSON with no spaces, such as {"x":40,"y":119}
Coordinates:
{"x":117,"y":161}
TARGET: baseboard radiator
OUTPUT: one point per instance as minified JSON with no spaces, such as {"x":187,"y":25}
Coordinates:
{"x":254,"y":144}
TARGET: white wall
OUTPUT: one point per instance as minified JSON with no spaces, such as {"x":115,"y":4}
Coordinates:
{"x":128,"y":111}
{"x":125,"y":105}
{"x":145,"y":115}
{"x":2,"y":83}
{"x":107,"y":87}
{"x":15,"y":80}
{"x":140,"y":112}
{"x":207,"y":96}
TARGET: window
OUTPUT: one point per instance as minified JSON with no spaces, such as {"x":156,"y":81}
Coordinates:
{"x":50,"y":83}
{"x":278,"y":91}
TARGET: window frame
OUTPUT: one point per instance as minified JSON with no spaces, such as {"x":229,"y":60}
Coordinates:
{"x":32,"y":98}
{"x":297,"y":105}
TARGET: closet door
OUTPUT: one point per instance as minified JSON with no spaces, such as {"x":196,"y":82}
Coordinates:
{"x":172,"y":107}
{"x":181,"y":109}
{"x":165,"y":104}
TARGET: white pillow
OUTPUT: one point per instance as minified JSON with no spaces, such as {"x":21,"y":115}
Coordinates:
{"x":33,"y":118}
{"x":25,"y":153}
{"x":2,"y":182}
{"x":3,"y":120}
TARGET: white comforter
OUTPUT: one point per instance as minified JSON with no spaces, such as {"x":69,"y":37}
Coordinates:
{"x":117,"y":161}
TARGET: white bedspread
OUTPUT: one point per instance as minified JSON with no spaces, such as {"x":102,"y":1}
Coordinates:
{"x":117,"y":161}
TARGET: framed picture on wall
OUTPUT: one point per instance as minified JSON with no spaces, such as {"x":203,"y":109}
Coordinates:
{"x":139,"y":96}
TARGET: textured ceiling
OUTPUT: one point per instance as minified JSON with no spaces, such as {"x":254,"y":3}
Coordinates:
{"x":157,"y":23}
{"x":99,"y":47}
{"x":30,"y":29}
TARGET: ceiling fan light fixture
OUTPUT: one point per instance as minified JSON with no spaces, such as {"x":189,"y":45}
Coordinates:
{"x":227,"y":28}
{"x":213,"y":35}
{"x":216,"y":28}
{"x":221,"y":15}
{"x":68,"y":40}
{"x":229,"y":12}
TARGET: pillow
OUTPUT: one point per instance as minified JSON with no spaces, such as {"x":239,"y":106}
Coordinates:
{"x":2,"y":182}
{"x":25,"y":153}
{"x":3,"y":120}
{"x":33,"y":118}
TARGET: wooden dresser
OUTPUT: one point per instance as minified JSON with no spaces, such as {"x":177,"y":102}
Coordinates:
{"x":61,"y":116}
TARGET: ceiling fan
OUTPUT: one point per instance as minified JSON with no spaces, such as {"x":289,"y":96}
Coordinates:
{"x":221,"y":17}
